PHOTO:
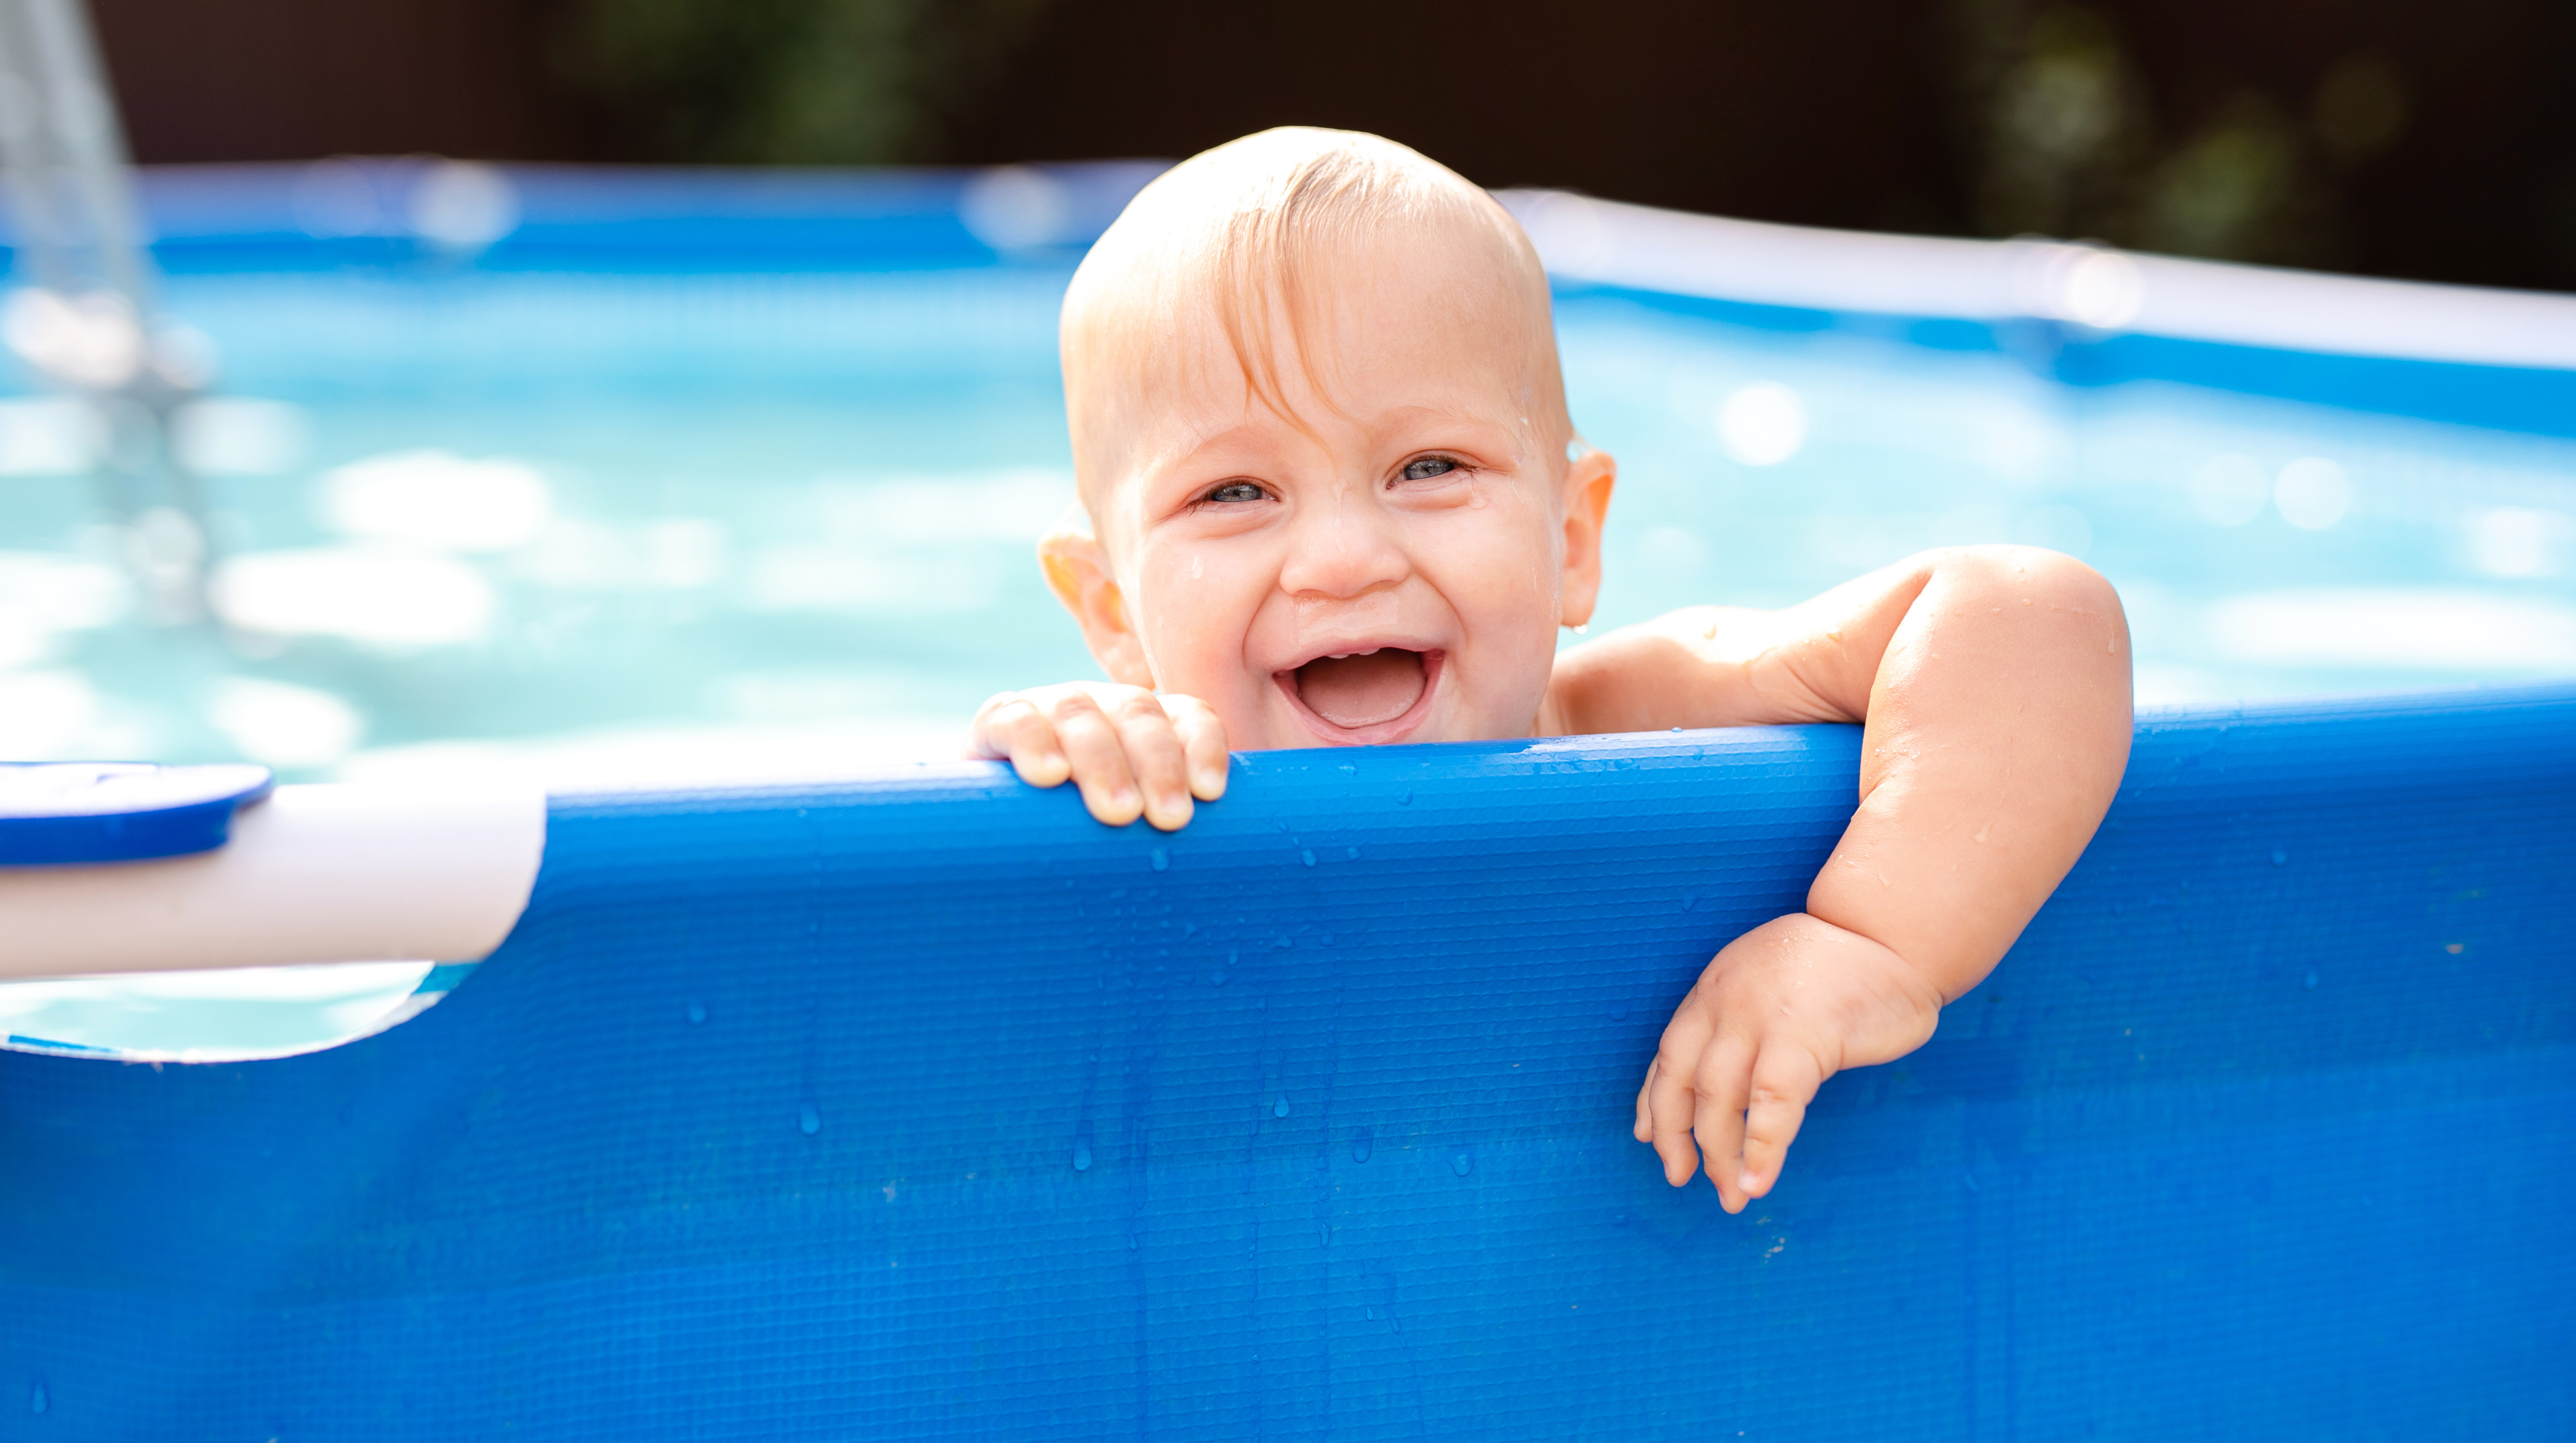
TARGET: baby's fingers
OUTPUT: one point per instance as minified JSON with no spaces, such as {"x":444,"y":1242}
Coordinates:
{"x":1011,"y":727}
{"x":1202,"y":743}
{"x":1785,"y":1079}
{"x":1154,"y":758}
{"x":1098,"y":754}
{"x":1717,"y":1123}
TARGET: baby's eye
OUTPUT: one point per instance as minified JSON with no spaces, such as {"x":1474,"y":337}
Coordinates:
{"x":1428,"y":467}
{"x":1235,"y":493}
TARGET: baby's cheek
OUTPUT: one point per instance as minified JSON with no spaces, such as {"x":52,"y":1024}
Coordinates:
{"x":1194,"y":629}
{"x":1507,"y":594}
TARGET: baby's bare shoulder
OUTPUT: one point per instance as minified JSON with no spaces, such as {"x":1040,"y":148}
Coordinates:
{"x":1700,"y":666}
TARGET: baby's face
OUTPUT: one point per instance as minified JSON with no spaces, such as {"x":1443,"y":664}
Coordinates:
{"x":1387,"y":561}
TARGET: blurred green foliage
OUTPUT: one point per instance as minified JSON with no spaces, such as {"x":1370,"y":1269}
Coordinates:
{"x":2064,"y":136}
{"x":792,"y":82}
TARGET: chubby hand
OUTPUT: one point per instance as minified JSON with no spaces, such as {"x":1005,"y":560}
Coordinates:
{"x":1784,"y":1007}
{"x":1132,"y":752}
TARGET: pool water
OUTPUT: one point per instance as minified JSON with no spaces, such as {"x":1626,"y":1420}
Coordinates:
{"x":770,"y":523}
{"x":636,"y":523}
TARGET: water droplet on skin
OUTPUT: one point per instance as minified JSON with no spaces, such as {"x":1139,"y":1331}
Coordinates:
{"x":1310,"y":858}
{"x":1162,"y":860}
{"x":809,"y":1119}
{"x":1082,"y":1157}
{"x":1280,"y":1108}
{"x":1363,"y":1142}
{"x":1475,"y":500}
{"x":2280,"y":858}
{"x":1198,"y":567}
{"x":697,"y":1012}
{"x":1463,"y":1163}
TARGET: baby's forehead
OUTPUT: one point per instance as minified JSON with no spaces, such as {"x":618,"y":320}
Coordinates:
{"x":1425,"y":307}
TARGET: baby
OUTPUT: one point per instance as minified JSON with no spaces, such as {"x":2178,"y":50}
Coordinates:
{"x":1335,"y":500}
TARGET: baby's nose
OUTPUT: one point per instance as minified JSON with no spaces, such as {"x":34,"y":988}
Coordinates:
{"x":1342,"y":550}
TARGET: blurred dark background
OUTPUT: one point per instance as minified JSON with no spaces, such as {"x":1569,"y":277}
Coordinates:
{"x":2432,"y":139}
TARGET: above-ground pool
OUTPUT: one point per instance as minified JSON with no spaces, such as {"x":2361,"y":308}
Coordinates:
{"x":819,"y":1094}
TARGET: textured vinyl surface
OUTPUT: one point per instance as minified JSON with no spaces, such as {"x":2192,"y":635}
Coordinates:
{"x":929,"y":1109}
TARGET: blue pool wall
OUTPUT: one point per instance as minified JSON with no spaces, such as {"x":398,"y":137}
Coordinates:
{"x":925,"y":1107}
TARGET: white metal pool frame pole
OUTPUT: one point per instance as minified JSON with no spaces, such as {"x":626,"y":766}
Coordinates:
{"x":312,"y":874}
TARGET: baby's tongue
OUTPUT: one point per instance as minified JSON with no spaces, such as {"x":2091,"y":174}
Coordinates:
{"x":1358,"y":691}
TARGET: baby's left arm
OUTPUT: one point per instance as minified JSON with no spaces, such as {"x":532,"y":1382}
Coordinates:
{"x":1994,"y":687}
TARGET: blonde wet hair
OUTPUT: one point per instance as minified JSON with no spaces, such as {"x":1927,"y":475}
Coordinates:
{"x":1245,"y":233}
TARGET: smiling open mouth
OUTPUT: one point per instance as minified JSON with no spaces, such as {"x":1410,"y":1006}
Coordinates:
{"x":1370,"y":695}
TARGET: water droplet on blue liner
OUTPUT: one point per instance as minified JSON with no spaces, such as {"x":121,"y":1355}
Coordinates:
{"x":1463,"y":1163}
{"x":1082,"y":1156}
{"x":1363,"y":1142}
{"x":1354,"y":853}
{"x":1618,"y":1011}
{"x":2280,"y":858}
{"x":697,"y":1012}
{"x":1323,"y":1236}
{"x":38,"y":1400}
{"x":1310,"y":858}
{"x":1407,"y":799}
{"x":1217,"y":978}
{"x":809,"y":1118}
{"x":2312,"y":980}
{"x":1162,"y":860}
{"x":1280,"y":1108}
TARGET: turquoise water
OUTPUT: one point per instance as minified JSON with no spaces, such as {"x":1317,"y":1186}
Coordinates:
{"x":774,"y":523}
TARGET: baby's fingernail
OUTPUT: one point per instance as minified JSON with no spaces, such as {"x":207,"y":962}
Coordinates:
{"x":1749,"y":1180}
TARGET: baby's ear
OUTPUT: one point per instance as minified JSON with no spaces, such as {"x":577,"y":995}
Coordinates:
{"x":1077,"y":570}
{"x":1588,"y":482}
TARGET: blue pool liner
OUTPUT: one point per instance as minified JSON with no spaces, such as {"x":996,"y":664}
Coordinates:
{"x":927,"y":1108}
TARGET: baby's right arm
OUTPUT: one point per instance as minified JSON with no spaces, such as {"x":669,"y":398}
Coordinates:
{"x":1133,"y":752}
